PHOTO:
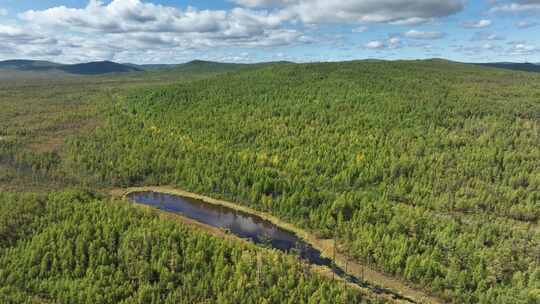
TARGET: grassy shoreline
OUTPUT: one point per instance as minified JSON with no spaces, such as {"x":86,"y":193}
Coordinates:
{"x":325,"y":246}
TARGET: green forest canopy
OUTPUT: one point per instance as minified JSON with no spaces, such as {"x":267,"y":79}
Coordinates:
{"x":77,"y":248}
{"x":427,"y":170}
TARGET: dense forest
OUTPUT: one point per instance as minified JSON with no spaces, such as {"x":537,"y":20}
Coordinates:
{"x":40,"y":111}
{"x":426,"y":170}
{"x":74,"y":247}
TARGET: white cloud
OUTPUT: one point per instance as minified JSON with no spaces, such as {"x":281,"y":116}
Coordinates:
{"x":393,"y":42}
{"x":375,"y":44}
{"x":354,"y":11}
{"x":414,"y":34}
{"x":3,"y":12}
{"x":22,"y":42}
{"x":14,"y":34}
{"x":140,"y":31}
{"x":121,"y":16}
{"x":411,"y":21}
{"x":263,"y":3}
{"x":123,"y":24}
{"x":110,"y":28}
{"x":143,"y":31}
{"x":523,"y":49}
{"x":477,"y":24}
{"x":517,"y":6}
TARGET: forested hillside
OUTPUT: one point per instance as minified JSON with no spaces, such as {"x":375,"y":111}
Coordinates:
{"x":39,"y":111}
{"x":45,"y":67}
{"x":427,"y":170}
{"x":73,"y":247}
{"x":526,"y":67}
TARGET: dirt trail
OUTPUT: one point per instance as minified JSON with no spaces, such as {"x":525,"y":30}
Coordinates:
{"x":383,"y":285}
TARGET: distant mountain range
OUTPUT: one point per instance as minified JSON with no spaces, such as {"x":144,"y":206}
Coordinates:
{"x":109,"y":67}
{"x":526,"y":67}
{"x":90,"y":68}
{"x":150,"y":67}
{"x":28,"y":65}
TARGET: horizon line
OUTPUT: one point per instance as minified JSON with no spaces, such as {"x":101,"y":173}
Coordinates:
{"x":275,"y":61}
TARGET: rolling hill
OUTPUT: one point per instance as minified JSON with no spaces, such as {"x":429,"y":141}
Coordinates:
{"x":151,"y":67}
{"x":28,"y":65}
{"x":220,"y":67}
{"x":44,"y":68}
{"x":96,"y":68}
{"x":195,"y":66}
{"x":525,"y":67}
{"x":90,"y":68}
{"x":422,"y":170}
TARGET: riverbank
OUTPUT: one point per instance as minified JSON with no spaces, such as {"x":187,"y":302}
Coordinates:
{"x":388,"y":286}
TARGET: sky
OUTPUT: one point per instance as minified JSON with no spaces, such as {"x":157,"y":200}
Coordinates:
{"x":176,"y":31}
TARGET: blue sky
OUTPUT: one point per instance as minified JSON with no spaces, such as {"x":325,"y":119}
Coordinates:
{"x":172,"y":31}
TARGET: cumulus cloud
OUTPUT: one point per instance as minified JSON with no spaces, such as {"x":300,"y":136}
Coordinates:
{"x":121,"y":16}
{"x":264,"y":3}
{"x":145,"y":25}
{"x":477,"y":24}
{"x":316,"y":11}
{"x":18,"y":41}
{"x":414,"y":34}
{"x":393,"y":42}
{"x":144,"y":31}
{"x":375,"y":44}
{"x":404,"y":12}
{"x":523,"y":49}
{"x":516,"y":6}
{"x":17,"y":35}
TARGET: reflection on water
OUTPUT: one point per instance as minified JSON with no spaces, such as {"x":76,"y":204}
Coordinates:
{"x":247,"y":226}
{"x":239,"y":223}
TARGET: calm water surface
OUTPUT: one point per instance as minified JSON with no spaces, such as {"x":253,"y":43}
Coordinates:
{"x":242,"y":224}
{"x":246,"y":226}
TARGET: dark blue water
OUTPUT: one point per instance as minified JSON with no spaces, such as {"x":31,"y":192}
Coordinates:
{"x":247,"y":226}
{"x":244,"y":225}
